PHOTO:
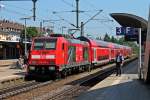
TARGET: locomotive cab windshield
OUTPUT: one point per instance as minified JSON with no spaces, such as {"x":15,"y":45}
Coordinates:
{"x":47,"y":44}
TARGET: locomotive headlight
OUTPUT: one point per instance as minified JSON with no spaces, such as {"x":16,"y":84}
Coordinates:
{"x":32,"y":67}
{"x":35,"y":56}
{"x":50,"y":56}
{"x":52,"y":68}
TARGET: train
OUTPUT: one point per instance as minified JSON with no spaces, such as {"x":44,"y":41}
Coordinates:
{"x":58,"y":55}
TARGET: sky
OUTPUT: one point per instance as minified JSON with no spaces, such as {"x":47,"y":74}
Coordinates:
{"x":14,"y":10}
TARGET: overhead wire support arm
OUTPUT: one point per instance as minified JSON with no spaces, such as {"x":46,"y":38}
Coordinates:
{"x":93,"y":17}
{"x":82,"y":24}
{"x":64,"y":20}
{"x":67,"y":3}
{"x":103,"y":20}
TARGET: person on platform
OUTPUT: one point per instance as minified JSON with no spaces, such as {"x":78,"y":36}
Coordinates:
{"x":119,"y":62}
{"x":20,"y":62}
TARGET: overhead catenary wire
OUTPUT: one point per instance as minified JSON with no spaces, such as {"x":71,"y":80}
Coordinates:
{"x":92,"y":5}
{"x":9,"y":10}
{"x":93,"y":17}
{"x":67,"y":3}
{"x":14,"y":12}
{"x":65,"y":20}
{"x":104,"y":20}
{"x":77,"y":11}
{"x":80,"y":11}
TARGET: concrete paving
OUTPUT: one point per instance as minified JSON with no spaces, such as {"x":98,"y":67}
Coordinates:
{"x":8,"y":73}
{"x":125,"y":87}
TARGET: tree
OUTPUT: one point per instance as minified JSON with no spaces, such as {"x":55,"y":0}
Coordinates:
{"x":131,"y":44}
{"x":107,"y":38}
{"x":114,"y":40}
{"x":31,"y":32}
{"x":98,"y":38}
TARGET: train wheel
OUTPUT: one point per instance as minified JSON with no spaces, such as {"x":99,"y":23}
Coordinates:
{"x":80,"y":69}
{"x":58,"y":75}
{"x":89,"y":68}
{"x":27,"y":78}
{"x":69,"y":71}
{"x":76,"y":71}
{"x":64,"y":73}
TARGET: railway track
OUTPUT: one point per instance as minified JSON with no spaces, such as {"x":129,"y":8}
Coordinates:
{"x":11,"y":91}
{"x":51,"y":89}
{"x":68,"y":91}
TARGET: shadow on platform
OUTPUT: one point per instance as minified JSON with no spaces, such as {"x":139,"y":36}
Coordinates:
{"x":131,"y":90}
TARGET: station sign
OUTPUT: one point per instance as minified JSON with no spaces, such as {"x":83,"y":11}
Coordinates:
{"x":126,"y":31}
{"x":130,"y":33}
{"x":120,"y":30}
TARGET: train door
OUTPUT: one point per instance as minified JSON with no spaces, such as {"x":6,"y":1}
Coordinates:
{"x":71,"y":54}
{"x":85,"y":54}
{"x":95,"y":60}
{"x":64,"y":51}
{"x":110,"y":55}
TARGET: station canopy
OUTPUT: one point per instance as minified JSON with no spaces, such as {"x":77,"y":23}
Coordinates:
{"x":130,"y":20}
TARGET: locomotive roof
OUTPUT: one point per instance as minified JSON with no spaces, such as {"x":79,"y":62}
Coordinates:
{"x":44,"y":37}
{"x":71,"y":40}
{"x":67,"y":36}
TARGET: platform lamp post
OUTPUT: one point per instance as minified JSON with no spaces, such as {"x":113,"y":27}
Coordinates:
{"x":140,"y":55}
{"x":25,"y":33}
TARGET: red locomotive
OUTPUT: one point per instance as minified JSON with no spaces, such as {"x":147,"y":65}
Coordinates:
{"x":57,"y":55}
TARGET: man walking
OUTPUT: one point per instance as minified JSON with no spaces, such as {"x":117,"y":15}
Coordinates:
{"x":119,"y":62}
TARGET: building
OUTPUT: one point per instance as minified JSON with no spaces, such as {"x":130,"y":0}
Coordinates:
{"x":8,"y":26}
{"x":9,"y":39}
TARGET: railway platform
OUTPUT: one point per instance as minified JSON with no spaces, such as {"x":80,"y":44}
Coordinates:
{"x":124,"y":87}
{"x":9,"y":74}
